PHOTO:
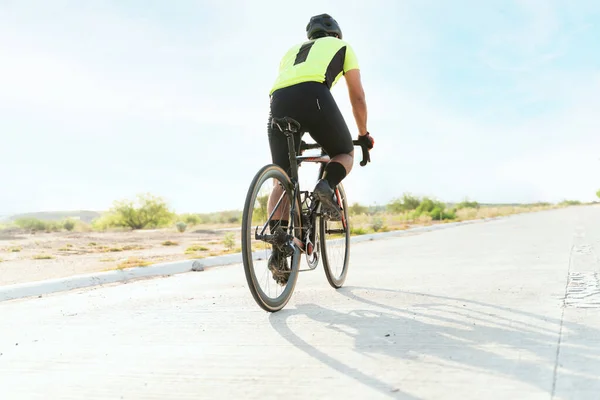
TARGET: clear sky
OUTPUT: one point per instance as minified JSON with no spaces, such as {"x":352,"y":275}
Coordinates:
{"x":497,"y":101}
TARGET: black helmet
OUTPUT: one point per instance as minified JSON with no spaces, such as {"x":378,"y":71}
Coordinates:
{"x":322,"y":25}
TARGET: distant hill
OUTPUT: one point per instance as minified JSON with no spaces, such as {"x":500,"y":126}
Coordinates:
{"x":83,"y":215}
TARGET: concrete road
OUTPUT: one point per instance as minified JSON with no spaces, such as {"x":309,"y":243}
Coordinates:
{"x":508,"y":309}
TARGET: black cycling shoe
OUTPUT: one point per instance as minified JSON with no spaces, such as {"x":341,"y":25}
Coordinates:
{"x":329,"y":206}
{"x":279,"y":267}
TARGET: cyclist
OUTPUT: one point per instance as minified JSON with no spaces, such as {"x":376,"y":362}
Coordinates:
{"x":307,"y":73}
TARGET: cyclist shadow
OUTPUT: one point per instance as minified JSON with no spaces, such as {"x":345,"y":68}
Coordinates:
{"x":459,"y":334}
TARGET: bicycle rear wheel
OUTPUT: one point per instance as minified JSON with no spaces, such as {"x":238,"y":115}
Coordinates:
{"x":335,"y":243}
{"x":271,"y":285}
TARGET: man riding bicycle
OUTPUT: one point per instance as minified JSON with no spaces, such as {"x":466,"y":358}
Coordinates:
{"x":307,"y":73}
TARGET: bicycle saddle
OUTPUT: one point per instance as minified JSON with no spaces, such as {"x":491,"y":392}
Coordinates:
{"x":286,"y":124}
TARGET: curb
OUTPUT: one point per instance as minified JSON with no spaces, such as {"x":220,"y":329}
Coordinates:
{"x":39,"y":288}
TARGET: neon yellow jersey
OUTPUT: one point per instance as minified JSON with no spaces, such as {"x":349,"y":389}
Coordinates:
{"x":322,"y":60}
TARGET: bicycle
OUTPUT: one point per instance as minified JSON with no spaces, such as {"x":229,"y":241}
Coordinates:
{"x":307,"y":225}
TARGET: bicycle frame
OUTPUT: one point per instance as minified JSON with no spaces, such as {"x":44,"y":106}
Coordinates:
{"x":293,"y":127}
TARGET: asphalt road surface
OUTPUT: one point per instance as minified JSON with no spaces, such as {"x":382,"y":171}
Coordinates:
{"x":508,"y":309}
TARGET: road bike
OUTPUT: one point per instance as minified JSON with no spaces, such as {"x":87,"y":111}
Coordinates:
{"x":273,"y":197}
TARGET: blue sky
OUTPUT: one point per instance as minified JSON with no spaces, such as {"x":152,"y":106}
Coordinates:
{"x":100,"y":100}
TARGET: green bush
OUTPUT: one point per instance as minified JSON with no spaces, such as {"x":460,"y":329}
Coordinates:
{"x":408,"y":202}
{"x":31,"y":224}
{"x":358,"y":209}
{"x":53,"y":226}
{"x":467,"y":204}
{"x":69,"y":225}
{"x":570,"y":203}
{"x":437,"y":213}
{"x":229,"y":240}
{"x":181,"y":226}
{"x":598,"y":194}
{"x":148,"y":212}
{"x":106,"y":221}
{"x":196,"y":247}
{"x":358,"y":231}
{"x":377,"y":224}
{"x":191,"y":219}
{"x":427,"y":205}
{"x":449,"y":214}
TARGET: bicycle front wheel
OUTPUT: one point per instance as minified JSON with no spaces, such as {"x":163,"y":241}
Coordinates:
{"x":335,"y":243}
{"x":271,"y":277}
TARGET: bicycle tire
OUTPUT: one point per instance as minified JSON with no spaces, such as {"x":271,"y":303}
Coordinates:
{"x":270,"y":171}
{"x":336,"y":282}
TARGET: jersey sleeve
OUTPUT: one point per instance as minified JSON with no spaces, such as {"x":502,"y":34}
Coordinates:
{"x":350,"y":61}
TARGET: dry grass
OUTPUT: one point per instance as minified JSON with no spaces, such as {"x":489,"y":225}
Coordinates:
{"x":43,"y":257}
{"x":132,"y":262}
{"x":364,"y":224}
{"x":196,"y":247}
{"x":494,"y":212}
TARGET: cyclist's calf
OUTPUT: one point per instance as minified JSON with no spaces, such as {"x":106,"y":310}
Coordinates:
{"x":347,"y":160}
{"x":283,"y":210}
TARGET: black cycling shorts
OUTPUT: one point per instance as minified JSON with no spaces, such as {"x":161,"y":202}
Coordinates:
{"x":313,"y":106}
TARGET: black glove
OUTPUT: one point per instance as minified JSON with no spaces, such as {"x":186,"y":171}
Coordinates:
{"x":367,"y":140}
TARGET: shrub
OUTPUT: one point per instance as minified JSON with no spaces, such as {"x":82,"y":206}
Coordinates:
{"x":169,"y":243}
{"x":53,"y":226}
{"x":467,"y":204}
{"x":192,"y":219}
{"x":357,"y":209}
{"x":31,"y":224}
{"x":106,"y":221}
{"x":229,"y":240}
{"x":69,"y":225}
{"x":196,"y":247}
{"x":436,"y":214}
{"x":449,"y":214}
{"x":149,"y":212}
{"x":358,"y":231}
{"x":570,"y":203}
{"x":259,"y":214}
{"x":377,"y":224}
{"x":427,"y":205}
{"x":133,"y":262}
{"x":133,"y":247}
{"x":181,"y":226}
{"x":598,"y":194}
{"x":424,"y":219}
{"x":408,"y":202}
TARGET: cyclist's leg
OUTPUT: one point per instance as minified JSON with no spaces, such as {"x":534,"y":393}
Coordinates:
{"x":329,"y":129}
{"x":280,"y":157}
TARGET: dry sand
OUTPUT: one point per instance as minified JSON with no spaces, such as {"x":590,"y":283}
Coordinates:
{"x":75,"y":253}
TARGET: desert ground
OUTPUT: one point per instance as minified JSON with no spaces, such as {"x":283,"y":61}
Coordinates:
{"x":27,"y":257}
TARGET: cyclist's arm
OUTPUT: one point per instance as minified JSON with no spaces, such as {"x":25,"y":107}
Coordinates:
{"x":357,"y":99}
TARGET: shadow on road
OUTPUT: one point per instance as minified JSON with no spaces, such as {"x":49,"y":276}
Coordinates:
{"x":449,"y":333}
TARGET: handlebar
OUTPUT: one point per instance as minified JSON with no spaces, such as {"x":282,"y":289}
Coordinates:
{"x":366,"y":157}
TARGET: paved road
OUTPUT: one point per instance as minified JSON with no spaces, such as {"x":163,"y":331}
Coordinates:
{"x":473,"y":312}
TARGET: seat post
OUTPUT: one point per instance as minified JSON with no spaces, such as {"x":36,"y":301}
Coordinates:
{"x":292,"y":155}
